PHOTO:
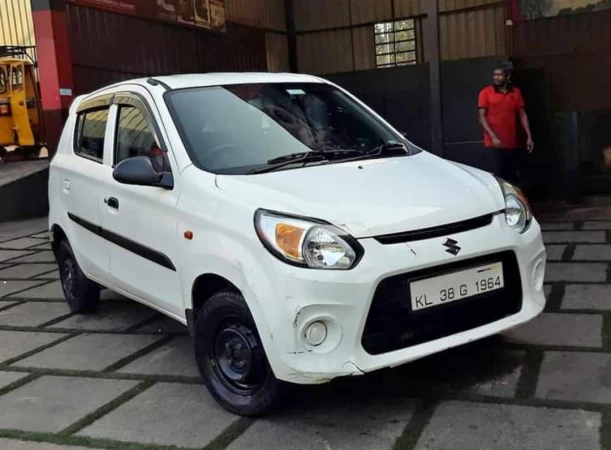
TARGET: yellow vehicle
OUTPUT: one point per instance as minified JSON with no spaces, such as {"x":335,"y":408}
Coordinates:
{"x":20,"y":114}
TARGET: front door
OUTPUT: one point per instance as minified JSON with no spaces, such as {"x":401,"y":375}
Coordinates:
{"x":140,"y":221}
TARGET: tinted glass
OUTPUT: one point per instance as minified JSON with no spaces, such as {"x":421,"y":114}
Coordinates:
{"x":235,"y":129}
{"x":91,"y":129}
{"x":135,"y":137}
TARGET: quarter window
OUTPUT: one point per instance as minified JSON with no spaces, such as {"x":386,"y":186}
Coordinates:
{"x":91,"y":128}
{"x":135,"y":137}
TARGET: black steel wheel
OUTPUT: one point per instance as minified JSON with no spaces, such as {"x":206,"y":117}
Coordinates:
{"x":82,"y":294}
{"x":231,"y":358}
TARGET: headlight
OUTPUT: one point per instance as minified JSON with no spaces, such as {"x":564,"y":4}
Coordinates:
{"x":518,"y":214}
{"x":307,"y":242}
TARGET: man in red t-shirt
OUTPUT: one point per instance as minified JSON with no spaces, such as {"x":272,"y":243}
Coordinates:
{"x":499,"y":106}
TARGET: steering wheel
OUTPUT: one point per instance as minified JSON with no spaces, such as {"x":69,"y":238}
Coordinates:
{"x":214,"y":154}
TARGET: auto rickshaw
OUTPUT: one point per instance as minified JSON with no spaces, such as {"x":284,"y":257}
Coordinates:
{"x":20,"y":113}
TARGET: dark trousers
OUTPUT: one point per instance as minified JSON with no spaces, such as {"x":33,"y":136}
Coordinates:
{"x":504,"y":163}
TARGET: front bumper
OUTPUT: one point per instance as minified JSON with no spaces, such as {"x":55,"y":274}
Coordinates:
{"x":342,"y":300}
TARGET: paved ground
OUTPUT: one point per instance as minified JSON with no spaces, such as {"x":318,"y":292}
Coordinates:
{"x":125,"y":378}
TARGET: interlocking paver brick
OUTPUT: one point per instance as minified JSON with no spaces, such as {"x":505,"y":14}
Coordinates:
{"x":50,"y":291}
{"x":7,"y":378}
{"x":587,"y":296}
{"x":579,"y":330}
{"x":25,"y":271}
{"x":165,"y":325}
{"x":48,"y":276}
{"x":9,"y":287}
{"x":88,"y":352}
{"x":42,"y":246}
{"x":9,"y":255}
{"x":50,"y":404}
{"x":44,"y":235}
{"x":593,"y":237}
{"x":32,"y":314}
{"x":174,"y":358}
{"x":356,"y":424}
{"x":476,"y":426}
{"x":503,"y":384}
{"x":558,"y":226}
{"x":110,"y":316}
{"x":11,"y":444}
{"x":107,"y":294}
{"x":20,"y":244}
{"x":40,"y":257}
{"x":576,"y":272}
{"x":4,"y":304}
{"x":555,"y":252}
{"x":592,"y":253}
{"x":575,"y":376}
{"x":597,"y":225}
{"x":13,"y":230}
{"x":15,"y":343}
{"x":166,"y":414}
{"x":548,"y":290}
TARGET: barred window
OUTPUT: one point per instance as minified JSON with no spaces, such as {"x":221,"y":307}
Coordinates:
{"x":396,"y":43}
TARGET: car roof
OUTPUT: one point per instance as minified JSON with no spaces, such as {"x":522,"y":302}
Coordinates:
{"x":210,"y":79}
{"x":217,"y":79}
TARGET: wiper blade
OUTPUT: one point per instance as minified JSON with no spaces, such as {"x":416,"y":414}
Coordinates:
{"x":377,"y":151}
{"x":293,"y":158}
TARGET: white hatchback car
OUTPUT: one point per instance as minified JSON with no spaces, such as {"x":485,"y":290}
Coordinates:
{"x":298,"y":235}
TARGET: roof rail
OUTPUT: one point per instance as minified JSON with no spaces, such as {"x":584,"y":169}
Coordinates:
{"x":154,"y":82}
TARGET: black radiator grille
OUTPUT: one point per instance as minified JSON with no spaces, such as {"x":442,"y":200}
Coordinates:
{"x":429,"y":233}
{"x":392,"y":325}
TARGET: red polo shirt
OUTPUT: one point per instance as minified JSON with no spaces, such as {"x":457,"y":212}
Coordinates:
{"x":501,"y":114}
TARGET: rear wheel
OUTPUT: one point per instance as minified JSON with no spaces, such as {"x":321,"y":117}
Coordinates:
{"x":82,"y":294}
{"x":231,"y":358}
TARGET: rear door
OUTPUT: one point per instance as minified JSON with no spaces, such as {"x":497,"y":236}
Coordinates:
{"x":79,"y":174}
{"x":140,"y":221}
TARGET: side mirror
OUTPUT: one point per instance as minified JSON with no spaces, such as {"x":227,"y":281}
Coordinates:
{"x":139,"y":171}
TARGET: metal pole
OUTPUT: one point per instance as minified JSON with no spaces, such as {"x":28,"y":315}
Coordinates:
{"x":291,"y":34}
{"x":431,"y":51}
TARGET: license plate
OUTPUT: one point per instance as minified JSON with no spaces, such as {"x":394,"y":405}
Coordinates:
{"x":455,"y":286}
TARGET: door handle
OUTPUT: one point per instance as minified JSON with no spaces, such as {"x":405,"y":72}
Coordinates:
{"x":112,"y":202}
{"x":66,"y":185}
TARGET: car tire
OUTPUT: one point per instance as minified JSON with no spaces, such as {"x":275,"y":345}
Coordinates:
{"x":82,"y":294}
{"x":231,"y":358}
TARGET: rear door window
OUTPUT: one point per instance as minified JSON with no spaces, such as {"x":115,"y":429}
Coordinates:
{"x":90,"y":132}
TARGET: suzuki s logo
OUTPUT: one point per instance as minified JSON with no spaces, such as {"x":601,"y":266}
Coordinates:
{"x":452,"y":247}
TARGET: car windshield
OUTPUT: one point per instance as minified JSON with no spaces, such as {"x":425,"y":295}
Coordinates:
{"x":240,"y":129}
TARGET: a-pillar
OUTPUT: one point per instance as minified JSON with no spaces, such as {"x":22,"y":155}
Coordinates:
{"x":54,"y":66}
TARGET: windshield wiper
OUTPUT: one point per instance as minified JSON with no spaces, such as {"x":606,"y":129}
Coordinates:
{"x":377,"y":151}
{"x":325,"y":155}
{"x":293,"y":158}
{"x":303,"y":157}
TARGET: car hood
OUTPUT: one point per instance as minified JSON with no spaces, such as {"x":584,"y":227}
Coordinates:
{"x":374,"y":197}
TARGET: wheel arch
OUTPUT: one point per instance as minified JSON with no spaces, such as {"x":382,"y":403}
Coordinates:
{"x":57,"y":236}
{"x":208,"y":284}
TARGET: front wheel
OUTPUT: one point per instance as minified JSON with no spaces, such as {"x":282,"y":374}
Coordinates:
{"x":231,"y":358}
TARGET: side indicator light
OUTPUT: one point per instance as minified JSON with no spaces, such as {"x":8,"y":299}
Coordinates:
{"x":188,"y":235}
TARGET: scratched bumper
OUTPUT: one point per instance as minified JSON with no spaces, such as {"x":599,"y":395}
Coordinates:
{"x":341,"y":299}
